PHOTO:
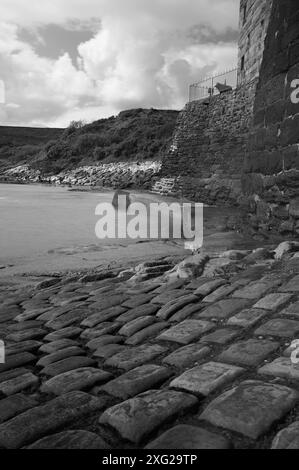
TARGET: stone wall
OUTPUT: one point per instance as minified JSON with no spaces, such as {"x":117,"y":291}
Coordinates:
{"x":206,"y":156}
{"x":254,"y":21}
{"x":271,"y":179}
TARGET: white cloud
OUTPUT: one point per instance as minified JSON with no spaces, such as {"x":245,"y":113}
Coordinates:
{"x":142,"y":55}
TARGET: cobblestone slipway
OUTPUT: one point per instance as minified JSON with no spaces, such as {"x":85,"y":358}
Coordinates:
{"x":200,"y":363}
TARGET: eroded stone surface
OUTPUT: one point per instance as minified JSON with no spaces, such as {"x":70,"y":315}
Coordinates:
{"x":77,"y":379}
{"x":137,"y":417}
{"x":281,"y":367}
{"x":251,"y":407}
{"x":247,"y":318}
{"x":288,"y":438}
{"x":44,"y":419}
{"x":186,"y":356}
{"x":221,"y":336}
{"x":249,"y":353}
{"x":189,"y":437}
{"x":137,"y":381}
{"x":71,"y":440}
{"x":14,"y":405}
{"x":66,"y":365}
{"x":18,"y":384}
{"x":206,"y":378}
{"x":186,"y":331}
{"x":223,"y":309}
{"x":273,"y":301}
{"x":136,"y":356}
{"x":281,"y":328}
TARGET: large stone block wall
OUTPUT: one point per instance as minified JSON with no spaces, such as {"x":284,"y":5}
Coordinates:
{"x":208,"y":148}
{"x":271,"y":179}
{"x":254,"y":21}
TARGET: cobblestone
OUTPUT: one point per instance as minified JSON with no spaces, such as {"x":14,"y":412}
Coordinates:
{"x":281,"y":367}
{"x":134,"y":357}
{"x":250,"y":408}
{"x":186,"y":332}
{"x":137,"y":417}
{"x":207,"y":378}
{"x":187,"y":356}
{"x":136,"y":381}
{"x":42,"y":420}
{"x":223,"y":309}
{"x":189,"y":437}
{"x":249,"y":353}
{"x":279,"y":327}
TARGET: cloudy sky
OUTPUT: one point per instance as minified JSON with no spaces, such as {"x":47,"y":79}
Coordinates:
{"x":64,"y":60}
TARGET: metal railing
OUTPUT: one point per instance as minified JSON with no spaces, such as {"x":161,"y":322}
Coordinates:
{"x":206,"y":87}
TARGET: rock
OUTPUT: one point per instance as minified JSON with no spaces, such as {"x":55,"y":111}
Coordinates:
{"x":208,"y":287}
{"x":25,"y":346}
{"x":247,"y":318}
{"x":221,"y":336}
{"x":56,"y":346}
{"x":18,"y":384}
{"x":281,"y":367}
{"x":205,"y":379}
{"x":78,"y":379}
{"x":136,"y":381}
{"x":288,"y":438}
{"x":66,"y":320}
{"x":107,"y":351}
{"x":223,"y":309}
{"x":292,"y":285}
{"x":136,"y":325}
{"x":101,"y":330}
{"x":14,"y":405}
{"x":70,"y":332}
{"x":139,"y":416}
{"x":279,"y":327}
{"x":186,"y":332}
{"x":189,"y":437}
{"x":103,"y":316}
{"x":284,"y":248}
{"x":136,"y":356}
{"x":44,"y":419}
{"x":191,"y":267}
{"x":66,"y":365}
{"x":27,"y":335}
{"x":250,"y":408}
{"x":59,"y":355}
{"x":168,"y":296}
{"x":142,"y":311}
{"x":17,"y":360}
{"x":104,"y":341}
{"x":137,"y":300}
{"x":174,"y":305}
{"x":273,"y":302}
{"x":254,"y":290}
{"x":146,"y":333}
{"x":186,"y":356}
{"x":235,"y":254}
{"x":69,"y":440}
{"x":249,"y":353}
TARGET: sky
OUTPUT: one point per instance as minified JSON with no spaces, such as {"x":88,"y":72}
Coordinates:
{"x":64,"y":60}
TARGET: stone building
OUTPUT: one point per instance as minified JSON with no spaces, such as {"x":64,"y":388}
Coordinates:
{"x":205,"y":161}
{"x":242,"y":147}
{"x":253,"y":25}
{"x":271,"y":169}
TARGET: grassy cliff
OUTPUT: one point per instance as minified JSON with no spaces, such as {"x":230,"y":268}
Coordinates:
{"x":133,"y":135}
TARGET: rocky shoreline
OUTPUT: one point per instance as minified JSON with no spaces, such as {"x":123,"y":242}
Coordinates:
{"x":159,"y":356}
{"x":113,"y":175}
